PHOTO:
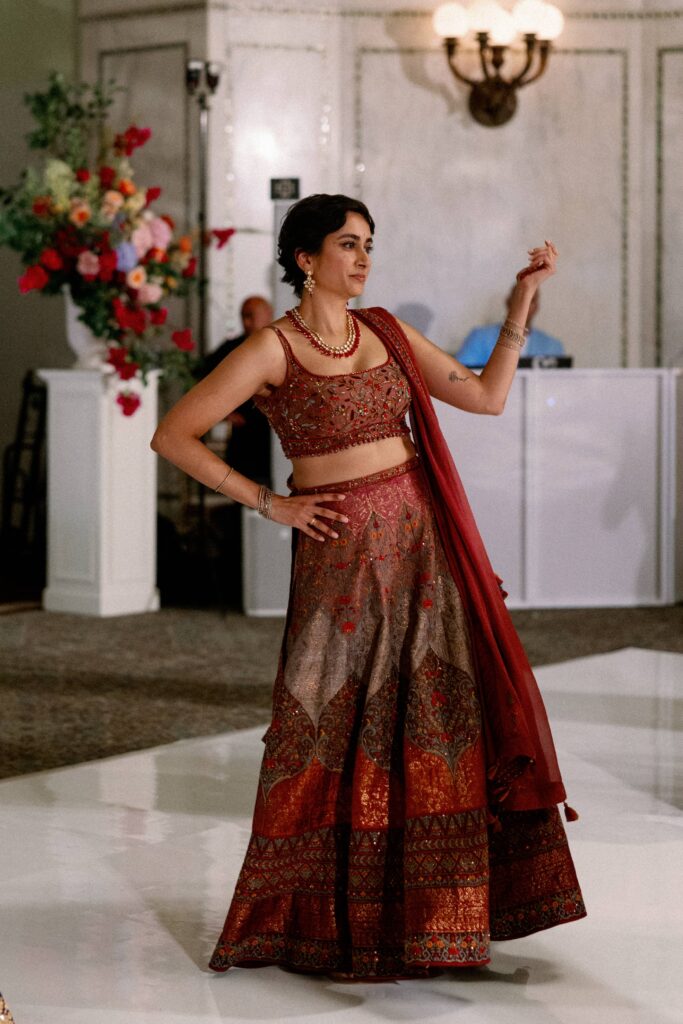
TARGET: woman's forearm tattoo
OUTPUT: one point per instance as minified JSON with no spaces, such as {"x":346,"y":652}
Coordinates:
{"x":452,"y":376}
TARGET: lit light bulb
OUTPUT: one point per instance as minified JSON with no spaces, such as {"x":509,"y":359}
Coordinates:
{"x":503,"y":29}
{"x":552,"y":22}
{"x":528,"y":16}
{"x":451,"y":21}
{"x":483,"y":14}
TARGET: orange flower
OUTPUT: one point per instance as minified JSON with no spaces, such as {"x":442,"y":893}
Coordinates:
{"x":126,"y":187}
{"x":80,"y":212}
{"x":185,"y":243}
{"x":136,"y":277}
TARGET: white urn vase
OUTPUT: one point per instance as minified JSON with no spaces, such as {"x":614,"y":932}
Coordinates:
{"x":90,"y":352}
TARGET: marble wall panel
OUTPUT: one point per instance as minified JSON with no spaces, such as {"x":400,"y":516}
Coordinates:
{"x":461,"y":203}
{"x":152,"y":80}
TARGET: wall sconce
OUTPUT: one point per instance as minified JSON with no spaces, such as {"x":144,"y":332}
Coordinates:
{"x":493,"y":99}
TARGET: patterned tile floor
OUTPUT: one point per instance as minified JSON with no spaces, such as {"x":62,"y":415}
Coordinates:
{"x":116,"y":876}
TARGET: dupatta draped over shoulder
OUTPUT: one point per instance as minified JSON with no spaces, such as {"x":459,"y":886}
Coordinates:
{"x":521,"y":763}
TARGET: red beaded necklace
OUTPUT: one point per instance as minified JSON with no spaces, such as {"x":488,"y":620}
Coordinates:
{"x":336,"y":351}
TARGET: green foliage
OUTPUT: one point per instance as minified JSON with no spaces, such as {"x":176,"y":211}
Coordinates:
{"x":69,"y":116}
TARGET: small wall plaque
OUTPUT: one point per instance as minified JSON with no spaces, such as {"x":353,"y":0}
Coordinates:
{"x":284,"y":188}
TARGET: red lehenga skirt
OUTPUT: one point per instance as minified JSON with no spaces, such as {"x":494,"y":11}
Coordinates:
{"x":372,"y":850}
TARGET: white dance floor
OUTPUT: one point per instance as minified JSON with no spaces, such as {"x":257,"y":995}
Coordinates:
{"x":116,"y":877}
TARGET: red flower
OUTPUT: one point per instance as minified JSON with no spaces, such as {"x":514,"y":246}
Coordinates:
{"x":131,"y":139}
{"x":129,"y":319}
{"x":348,"y":627}
{"x":117,"y":355}
{"x":107,"y":175}
{"x":107,"y":265}
{"x":33,"y":278}
{"x":127,"y":370}
{"x":222,"y":236}
{"x":190,"y":268}
{"x":68,"y":243}
{"x":427,"y":603}
{"x":151,"y":194}
{"x":169,"y":220}
{"x":83,"y":174}
{"x":128,"y":402}
{"x":183,"y":340}
{"x":158,"y":316}
{"x":156,"y":256}
{"x":41,"y":206}
{"x":51,"y":259}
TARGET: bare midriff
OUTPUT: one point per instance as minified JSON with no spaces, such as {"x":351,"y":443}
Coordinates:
{"x":359,"y":460}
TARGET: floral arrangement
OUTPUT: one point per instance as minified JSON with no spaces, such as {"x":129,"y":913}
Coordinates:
{"x":85,"y":225}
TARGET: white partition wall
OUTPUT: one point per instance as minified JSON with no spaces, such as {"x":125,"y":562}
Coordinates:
{"x":573,"y":487}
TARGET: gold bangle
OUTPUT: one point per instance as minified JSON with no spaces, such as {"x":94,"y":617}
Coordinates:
{"x":513,"y":323}
{"x":265,"y":502}
{"x":515,"y":336}
{"x":216,"y":489}
{"x":510,"y":345}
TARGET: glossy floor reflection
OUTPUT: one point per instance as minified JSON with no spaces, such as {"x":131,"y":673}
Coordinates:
{"x":116,"y":876}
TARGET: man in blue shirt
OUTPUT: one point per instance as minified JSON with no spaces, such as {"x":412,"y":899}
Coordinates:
{"x":478,"y":344}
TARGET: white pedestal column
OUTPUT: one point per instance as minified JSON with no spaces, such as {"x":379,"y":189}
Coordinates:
{"x":101,"y":557}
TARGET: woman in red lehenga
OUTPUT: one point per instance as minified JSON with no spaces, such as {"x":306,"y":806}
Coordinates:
{"x":406,"y":811}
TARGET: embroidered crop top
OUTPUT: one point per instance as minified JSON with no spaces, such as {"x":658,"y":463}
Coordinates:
{"x":316,"y":414}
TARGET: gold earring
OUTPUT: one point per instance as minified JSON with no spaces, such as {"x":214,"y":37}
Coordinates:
{"x":309,"y":283}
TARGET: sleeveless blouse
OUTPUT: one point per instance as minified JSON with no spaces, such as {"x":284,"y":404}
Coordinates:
{"x":318,"y":414}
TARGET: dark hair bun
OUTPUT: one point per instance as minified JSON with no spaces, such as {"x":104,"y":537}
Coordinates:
{"x":306,"y":225}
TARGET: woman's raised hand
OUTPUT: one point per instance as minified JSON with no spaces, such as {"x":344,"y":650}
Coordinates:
{"x":306,"y":513}
{"x":542,"y":264}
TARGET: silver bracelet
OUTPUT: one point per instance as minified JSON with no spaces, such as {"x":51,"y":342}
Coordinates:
{"x":216,"y":489}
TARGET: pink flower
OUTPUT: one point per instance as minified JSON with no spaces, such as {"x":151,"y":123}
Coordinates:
{"x":148,"y":293}
{"x":88,"y":264}
{"x":161,"y":233}
{"x":112,"y":201}
{"x":142,"y":239}
{"x":136,"y":277}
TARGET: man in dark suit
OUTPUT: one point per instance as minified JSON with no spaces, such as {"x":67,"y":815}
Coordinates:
{"x":248,"y":448}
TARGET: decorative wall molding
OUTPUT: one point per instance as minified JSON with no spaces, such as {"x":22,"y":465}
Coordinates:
{"x":662,"y":53}
{"x":198,"y":7}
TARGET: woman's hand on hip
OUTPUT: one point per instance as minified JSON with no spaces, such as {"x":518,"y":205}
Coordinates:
{"x":306,"y":512}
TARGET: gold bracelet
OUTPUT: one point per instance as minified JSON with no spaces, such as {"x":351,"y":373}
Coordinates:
{"x":514,"y":324}
{"x":265,"y":502}
{"x":509,"y":344}
{"x":515,"y":336}
{"x":216,"y":489}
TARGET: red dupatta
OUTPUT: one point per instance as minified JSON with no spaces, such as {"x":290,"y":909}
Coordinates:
{"x":522,"y":768}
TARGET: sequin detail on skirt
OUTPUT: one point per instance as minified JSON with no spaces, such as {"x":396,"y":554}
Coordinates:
{"x":370,"y":849}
